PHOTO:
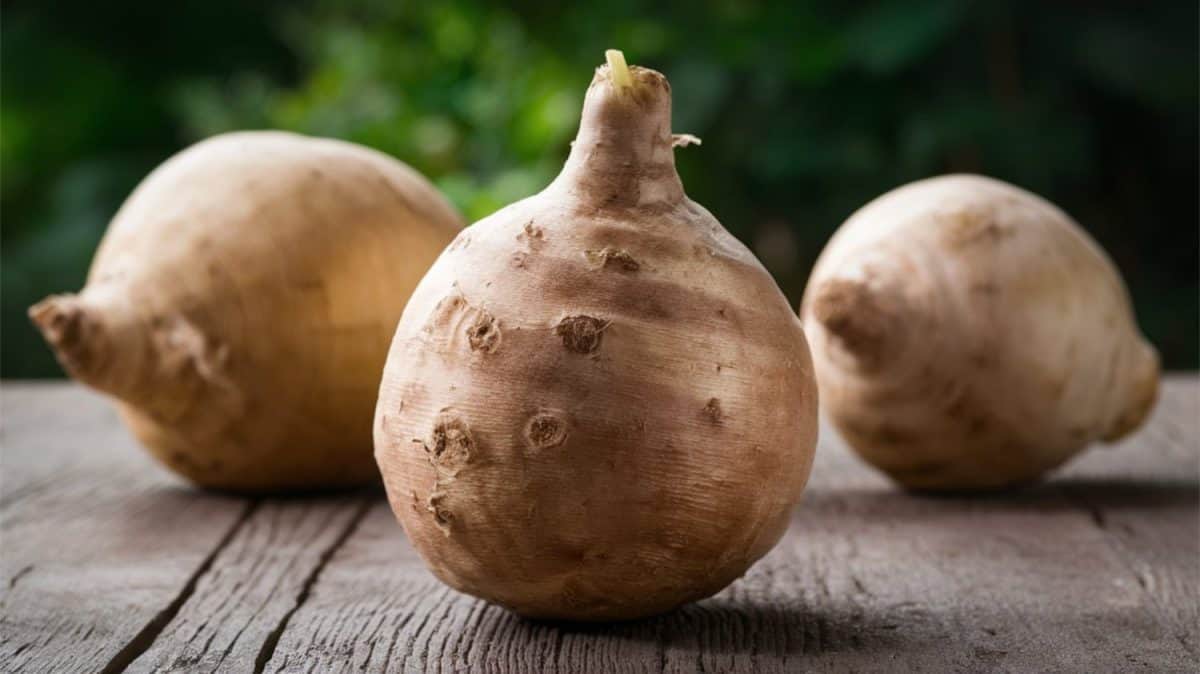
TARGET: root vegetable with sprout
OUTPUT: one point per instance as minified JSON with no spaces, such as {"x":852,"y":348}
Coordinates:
{"x":240,"y":306}
{"x":598,"y":404}
{"x":968,"y":334}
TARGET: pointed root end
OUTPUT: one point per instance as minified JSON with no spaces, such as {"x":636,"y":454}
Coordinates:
{"x":855,"y":315}
{"x":69,"y":329}
{"x":1143,"y":396}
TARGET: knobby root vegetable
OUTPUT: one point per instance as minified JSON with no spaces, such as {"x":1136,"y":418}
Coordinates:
{"x":241,"y":305}
{"x":968,"y":334}
{"x":598,"y":405}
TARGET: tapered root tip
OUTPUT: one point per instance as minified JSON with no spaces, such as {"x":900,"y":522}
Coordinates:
{"x":1144,"y":391}
{"x":68,"y":328}
{"x":856,"y":316}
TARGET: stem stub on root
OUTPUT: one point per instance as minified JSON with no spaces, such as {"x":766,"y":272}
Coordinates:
{"x":617,"y":69}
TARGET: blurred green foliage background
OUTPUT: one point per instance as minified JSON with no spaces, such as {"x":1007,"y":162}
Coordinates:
{"x":807,"y":110}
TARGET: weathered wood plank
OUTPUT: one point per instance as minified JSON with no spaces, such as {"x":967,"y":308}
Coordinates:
{"x":868,"y":578}
{"x":99,"y":546}
{"x":104,"y":558}
{"x":1148,"y":507}
{"x":240,"y":606}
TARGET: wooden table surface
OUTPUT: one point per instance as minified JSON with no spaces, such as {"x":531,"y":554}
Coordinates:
{"x":111,"y":564}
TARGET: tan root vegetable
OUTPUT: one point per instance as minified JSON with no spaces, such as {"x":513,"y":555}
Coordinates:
{"x":598,"y":404}
{"x":968,"y":334}
{"x":241,"y":305}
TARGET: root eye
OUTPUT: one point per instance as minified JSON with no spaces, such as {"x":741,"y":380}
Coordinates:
{"x":713,"y":411}
{"x":581,"y":334}
{"x":483,"y":334}
{"x":442,"y":517}
{"x":611,"y":258}
{"x":450,"y":444}
{"x":545,"y":430}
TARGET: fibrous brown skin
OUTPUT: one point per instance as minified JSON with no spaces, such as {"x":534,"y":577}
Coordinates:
{"x":241,"y":304}
{"x":598,"y":404}
{"x":968,"y":334}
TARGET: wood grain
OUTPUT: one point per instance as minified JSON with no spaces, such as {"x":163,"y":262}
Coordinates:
{"x":108,"y":564}
{"x":1144,"y":495}
{"x":237,"y":611}
{"x":868,"y":578}
{"x":100,"y":546}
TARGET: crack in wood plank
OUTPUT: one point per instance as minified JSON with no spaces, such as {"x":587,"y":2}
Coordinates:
{"x":272,"y":639}
{"x":12,"y":582}
{"x":112,"y":537}
{"x":255,"y":583}
{"x":145,"y":638}
{"x":1094,"y":570}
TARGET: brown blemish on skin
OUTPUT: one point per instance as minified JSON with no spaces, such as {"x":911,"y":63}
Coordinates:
{"x":483,"y":334}
{"x":712,"y":411}
{"x":545,"y":430}
{"x":442,"y":517}
{"x":532,"y":235}
{"x":969,"y":226}
{"x":518,"y":260}
{"x":581,"y":334}
{"x":450,"y":444}
{"x":613,"y":258}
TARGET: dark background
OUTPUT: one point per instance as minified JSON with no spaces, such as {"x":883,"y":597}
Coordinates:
{"x":807,"y":110}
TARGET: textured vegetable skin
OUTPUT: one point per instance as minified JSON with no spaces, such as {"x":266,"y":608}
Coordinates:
{"x":240,"y":306}
{"x":968,"y":334}
{"x":598,"y":404}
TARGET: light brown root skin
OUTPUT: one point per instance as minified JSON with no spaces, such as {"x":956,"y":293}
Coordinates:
{"x":240,"y":306}
{"x":644,"y":430}
{"x":1144,"y":395}
{"x":1020,"y":345}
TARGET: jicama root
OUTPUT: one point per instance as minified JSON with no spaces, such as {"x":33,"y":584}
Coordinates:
{"x":598,"y":404}
{"x":968,"y":334}
{"x":241,"y":304}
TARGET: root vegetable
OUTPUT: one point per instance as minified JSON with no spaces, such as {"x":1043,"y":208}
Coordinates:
{"x":968,"y":334}
{"x":241,"y":304}
{"x":598,"y":405}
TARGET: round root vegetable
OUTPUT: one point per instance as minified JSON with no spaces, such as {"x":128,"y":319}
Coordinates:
{"x":598,"y":405}
{"x":241,"y":304}
{"x":968,"y":334}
